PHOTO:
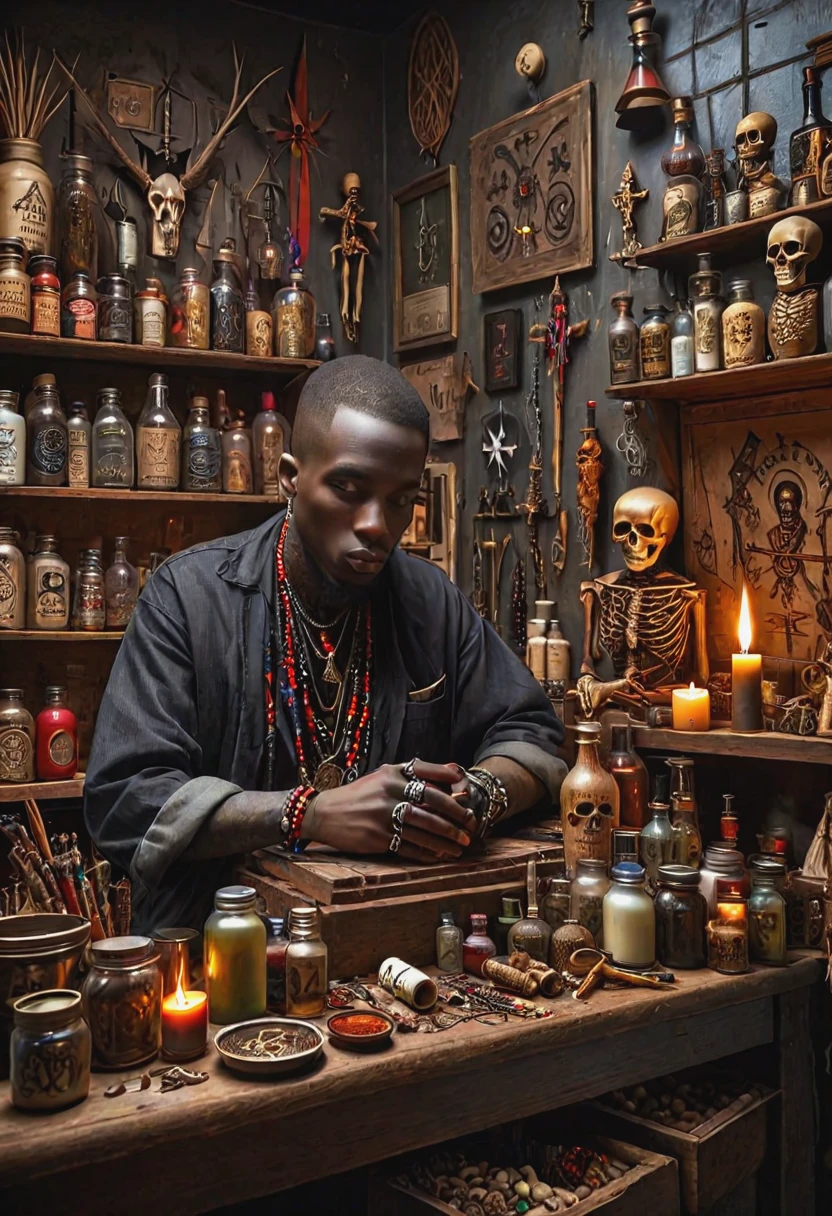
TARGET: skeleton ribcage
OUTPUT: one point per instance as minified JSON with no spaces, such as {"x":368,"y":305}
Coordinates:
{"x":645,"y":627}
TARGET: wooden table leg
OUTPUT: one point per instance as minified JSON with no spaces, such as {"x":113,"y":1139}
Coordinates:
{"x":797,"y":1107}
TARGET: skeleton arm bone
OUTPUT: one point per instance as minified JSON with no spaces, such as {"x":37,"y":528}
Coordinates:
{"x":703,"y":670}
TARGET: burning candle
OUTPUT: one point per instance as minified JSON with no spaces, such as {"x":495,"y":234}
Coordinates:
{"x":746,"y":677}
{"x":691,"y":708}
{"x":184,"y":1024}
{"x":728,"y":933}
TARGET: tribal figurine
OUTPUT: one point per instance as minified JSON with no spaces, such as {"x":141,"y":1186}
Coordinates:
{"x":590,"y":471}
{"x":624,"y":200}
{"x":351,"y":245}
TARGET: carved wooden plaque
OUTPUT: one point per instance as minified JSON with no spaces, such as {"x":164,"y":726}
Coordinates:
{"x":444,"y":388}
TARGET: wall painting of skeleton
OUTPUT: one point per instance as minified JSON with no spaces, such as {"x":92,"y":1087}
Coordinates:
{"x":532,"y":192}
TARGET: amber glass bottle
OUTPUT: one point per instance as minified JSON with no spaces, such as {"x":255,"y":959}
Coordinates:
{"x":630,"y":774}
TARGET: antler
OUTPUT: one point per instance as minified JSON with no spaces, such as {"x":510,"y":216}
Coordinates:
{"x":141,"y":176}
{"x":195,"y":174}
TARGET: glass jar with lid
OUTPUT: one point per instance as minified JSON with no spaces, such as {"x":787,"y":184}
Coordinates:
{"x":721,"y":861}
{"x":113,"y":462}
{"x":681,"y":918}
{"x":47,"y":596}
{"x":115,"y":309}
{"x":123,"y":1001}
{"x":17,"y":738}
{"x":46,"y":295}
{"x":50,"y":1049}
{"x":12,"y":581}
{"x":629,"y":919}
{"x":79,"y":308}
{"x":47,"y":448}
{"x":654,"y":342}
{"x":189,"y":312}
{"x":15,"y":287}
{"x":589,"y":886}
{"x":705,"y":289}
{"x":234,"y":955}
{"x":293,"y":314}
{"x":766,"y":919}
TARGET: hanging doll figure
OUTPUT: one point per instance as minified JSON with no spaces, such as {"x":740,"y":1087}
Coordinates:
{"x":350,"y":246}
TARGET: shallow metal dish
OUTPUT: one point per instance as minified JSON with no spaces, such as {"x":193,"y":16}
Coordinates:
{"x":230,"y":1041}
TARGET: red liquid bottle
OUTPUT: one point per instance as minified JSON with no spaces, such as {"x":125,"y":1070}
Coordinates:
{"x":56,"y":738}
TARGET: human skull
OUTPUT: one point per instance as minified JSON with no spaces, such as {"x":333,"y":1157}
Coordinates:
{"x":644,"y":522}
{"x":792,"y":244}
{"x":755,"y":136}
{"x":167,"y":202}
{"x":351,"y":184}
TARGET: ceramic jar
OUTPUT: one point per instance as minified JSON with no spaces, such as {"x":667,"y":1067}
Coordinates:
{"x":49,"y":1051}
{"x":122,"y":1001}
{"x":654,"y":343}
{"x":565,"y":941}
{"x":743,"y":327}
{"x":27,"y":200}
{"x":589,"y":803}
{"x":17,"y":738}
{"x":12,"y":440}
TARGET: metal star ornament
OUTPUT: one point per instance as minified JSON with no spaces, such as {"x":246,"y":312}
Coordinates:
{"x":496,"y":445}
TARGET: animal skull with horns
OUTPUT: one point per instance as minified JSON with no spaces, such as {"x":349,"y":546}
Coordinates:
{"x":166,"y":193}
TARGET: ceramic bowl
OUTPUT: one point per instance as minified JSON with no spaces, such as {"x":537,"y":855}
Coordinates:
{"x":244,"y":1047}
{"x":339,"y":1032}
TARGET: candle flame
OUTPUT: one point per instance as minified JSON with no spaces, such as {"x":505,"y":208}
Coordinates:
{"x":181,"y":1001}
{"x":745,"y":622}
{"x":692,"y":689}
{"x":731,"y":911}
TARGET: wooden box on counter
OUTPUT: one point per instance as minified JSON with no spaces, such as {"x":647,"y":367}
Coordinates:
{"x":373,"y":909}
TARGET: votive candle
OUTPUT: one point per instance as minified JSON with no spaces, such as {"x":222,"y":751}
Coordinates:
{"x":691,"y":708}
{"x":184,"y":1024}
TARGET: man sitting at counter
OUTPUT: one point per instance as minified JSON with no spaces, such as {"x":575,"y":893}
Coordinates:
{"x":276,"y":687}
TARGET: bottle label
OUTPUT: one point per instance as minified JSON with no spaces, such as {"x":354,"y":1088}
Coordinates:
{"x":152,"y":322}
{"x":15,"y":755}
{"x":14,"y":298}
{"x":30,"y":216}
{"x":226,"y":322}
{"x":623,"y":354}
{"x":46,"y":313}
{"x":78,"y":319}
{"x":49,"y":450}
{"x":655,"y":352}
{"x":62,"y":748}
{"x":305,"y":982}
{"x":9,"y":456}
{"x":128,"y":243}
{"x":120,"y":607}
{"x":204,"y":461}
{"x":90,"y":604}
{"x":112,"y":459}
{"x":237,"y":472}
{"x":258,"y":334}
{"x":9,"y":593}
{"x":272,"y":451}
{"x":159,"y":457}
{"x":681,"y":355}
{"x":79,"y":458}
{"x":50,"y":602}
{"x":115,"y":321}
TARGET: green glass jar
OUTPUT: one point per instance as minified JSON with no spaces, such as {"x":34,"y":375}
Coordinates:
{"x":234,"y":946}
{"x":766,"y":920}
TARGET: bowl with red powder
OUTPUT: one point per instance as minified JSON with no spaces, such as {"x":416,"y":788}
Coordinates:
{"x":360,"y":1030}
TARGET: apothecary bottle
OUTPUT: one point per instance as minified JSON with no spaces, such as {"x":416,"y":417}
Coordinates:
{"x":115,"y":309}
{"x":686,"y":155}
{"x":268,"y":441}
{"x":630,"y":774}
{"x":236,"y":458}
{"x":77,"y":210}
{"x":766,"y":920}
{"x":47,"y":599}
{"x":536,"y":647}
{"x":654,"y":343}
{"x":123,"y":1001}
{"x":681,"y":918}
{"x":12,"y":440}
{"x":158,"y":440}
{"x":17,"y":738}
{"x":530,"y":933}
{"x":656,"y":842}
{"x":448,"y":944}
{"x":27,"y":199}
{"x":681,"y":340}
{"x":15,"y":288}
{"x":258,"y":326}
{"x":47,"y":447}
{"x":306,"y":965}
{"x":228,"y":331}
{"x":293,"y":314}
{"x":705,"y":288}
{"x":113,"y":463}
{"x":324,"y":341}
{"x":121,"y":587}
{"x":50,"y":1050}
{"x":277,"y":946}
{"x":46,"y":295}
{"x":683,"y":782}
{"x":555,"y":906}
{"x":743,"y":327}
{"x":629,"y":918}
{"x":477,"y":946}
{"x":79,"y":308}
{"x":150,"y":314}
{"x":201,"y":450}
{"x":79,"y":432}
{"x":189,"y":312}
{"x":56,"y":738}
{"x":12,"y":581}
{"x":623,"y":340}
{"x":589,"y":802}
{"x":687,"y":843}
{"x":558,"y":654}
{"x":88,"y":607}
{"x":234,"y":950}
{"x":589,"y":886}
{"x":808,"y":155}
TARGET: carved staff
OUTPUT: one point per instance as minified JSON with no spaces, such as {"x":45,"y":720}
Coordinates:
{"x":590,"y":472}
{"x":559,"y":335}
{"x":535,"y":505}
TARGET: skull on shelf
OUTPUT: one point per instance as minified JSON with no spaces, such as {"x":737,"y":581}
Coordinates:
{"x":792,"y":244}
{"x":588,"y":806}
{"x":166,"y":199}
{"x":754,"y":140}
{"x":644,"y":523}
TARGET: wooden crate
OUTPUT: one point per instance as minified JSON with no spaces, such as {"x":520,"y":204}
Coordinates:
{"x":713,"y":1159}
{"x":651,"y":1187}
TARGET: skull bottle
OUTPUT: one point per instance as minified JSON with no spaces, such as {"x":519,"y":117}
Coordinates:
{"x":754,"y":141}
{"x":743,"y":327}
{"x":810,"y":147}
{"x":588,"y":803}
{"x":793,"y":320}
{"x":705,"y":287}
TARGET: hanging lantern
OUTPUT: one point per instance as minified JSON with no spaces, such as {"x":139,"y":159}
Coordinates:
{"x":644,"y":89}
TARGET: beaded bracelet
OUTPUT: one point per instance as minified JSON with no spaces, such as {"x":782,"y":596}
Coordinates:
{"x":291,"y":819}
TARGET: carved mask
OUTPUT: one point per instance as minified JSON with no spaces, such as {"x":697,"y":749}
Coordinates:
{"x":754,"y":137}
{"x":167,"y":202}
{"x":644,"y":522}
{"x":792,"y":244}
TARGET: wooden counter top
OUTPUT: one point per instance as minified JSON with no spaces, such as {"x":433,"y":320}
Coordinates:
{"x":231,"y":1139}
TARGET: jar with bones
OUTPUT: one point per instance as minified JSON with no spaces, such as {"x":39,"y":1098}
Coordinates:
{"x":589,"y":803}
{"x":793,"y":319}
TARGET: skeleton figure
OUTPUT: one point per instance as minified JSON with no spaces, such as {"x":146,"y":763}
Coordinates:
{"x":350,"y":246}
{"x":641,"y":616}
{"x":754,"y":142}
{"x":793,"y":319}
{"x":788,"y":537}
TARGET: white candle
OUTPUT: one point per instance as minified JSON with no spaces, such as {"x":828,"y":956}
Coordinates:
{"x":691,"y":708}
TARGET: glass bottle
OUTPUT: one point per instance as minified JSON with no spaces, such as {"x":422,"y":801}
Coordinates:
{"x":79,"y":308}
{"x":189,"y":312}
{"x":269,"y":442}
{"x":324,"y":341}
{"x":234,"y":956}
{"x":705,"y":287}
{"x":77,"y":210}
{"x":558,"y":654}
{"x":629,"y":918}
{"x":681,"y":340}
{"x":79,"y":434}
{"x":201,"y":450}
{"x":531,"y":933}
{"x":589,"y":802}
{"x":277,"y":945}
{"x":722,"y":862}
{"x":123,"y":1001}
{"x":656,"y":842}
{"x":589,"y":886}
{"x":293,"y":314}
{"x":687,"y":843}
{"x":15,"y":287}
{"x":743,"y":327}
{"x":306,"y":965}
{"x":477,"y":946}
{"x":228,"y":330}
{"x":56,"y":738}
{"x":448,"y":944}
{"x":45,"y":379}
{"x":654,"y":343}
{"x":150,"y":314}
{"x":50,"y":1050}
{"x":630,"y":774}
{"x":121,"y":587}
{"x":683,"y":781}
{"x":729,"y":824}
{"x":808,"y":159}
{"x":686,"y":155}
{"x":766,"y":920}
{"x":681,"y":918}
{"x":115,"y":308}
{"x":236,"y":458}
{"x":716,"y":190}
{"x":88,"y":608}
{"x":48,"y":587}
{"x":158,"y":440}
{"x":113,"y":461}
{"x":47,"y":448}
{"x":258,"y":326}
{"x":46,"y":295}
{"x":623,"y":341}
{"x":512,"y":911}
{"x":12,"y":440}
{"x":555,"y":906}
{"x":17,"y":738}
{"x":12,"y":581}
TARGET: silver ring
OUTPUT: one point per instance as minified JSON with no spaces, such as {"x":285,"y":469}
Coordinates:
{"x":407,"y":769}
{"x":399,"y":812}
{"x":395,"y":843}
{"x":414,"y":791}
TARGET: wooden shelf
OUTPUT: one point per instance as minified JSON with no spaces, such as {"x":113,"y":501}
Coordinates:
{"x":731,"y":244}
{"x":73,"y":788}
{"x":737,"y":383}
{"x":60,"y":635}
{"x":173,"y":497}
{"x":156,"y":357}
{"x":763,"y":745}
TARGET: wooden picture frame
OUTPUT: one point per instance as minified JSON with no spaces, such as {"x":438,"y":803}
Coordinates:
{"x":503,"y":355}
{"x":532,"y":183}
{"x":426,"y":261}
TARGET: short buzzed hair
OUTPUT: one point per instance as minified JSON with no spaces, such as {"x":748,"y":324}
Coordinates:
{"x":360,"y":383}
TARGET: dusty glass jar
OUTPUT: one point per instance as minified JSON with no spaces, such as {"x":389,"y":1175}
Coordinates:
{"x":47,"y":600}
{"x":687,"y":842}
{"x":293,"y":315}
{"x":12,"y":581}
{"x":201,"y":451}
{"x":158,"y":439}
{"x":766,"y":920}
{"x":121,"y":587}
{"x":15,"y":287}
{"x":49,"y":1051}
{"x":228,"y":329}
{"x":589,"y":886}
{"x":556,"y":904}
{"x":681,"y":340}
{"x":623,"y":341}
{"x":656,"y":842}
{"x":448,"y":944}
{"x":681,"y":918}
{"x":47,"y":449}
{"x":88,"y":607}
{"x":17,"y":738}
{"x":189,"y":312}
{"x":115,"y":309}
{"x":234,"y":954}
{"x":77,"y":210}
{"x":306,"y":965}
{"x":113,"y":445}
{"x":123,"y":1001}
{"x":654,"y":343}
{"x":79,"y":308}
{"x":629,"y":919}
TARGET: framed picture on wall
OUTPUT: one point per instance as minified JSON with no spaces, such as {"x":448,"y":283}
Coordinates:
{"x":532,"y":192}
{"x":426,"y":261}
{"x":502,"y":349}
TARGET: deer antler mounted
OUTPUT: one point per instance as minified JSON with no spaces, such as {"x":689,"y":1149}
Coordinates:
{"x":166,"y":193}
